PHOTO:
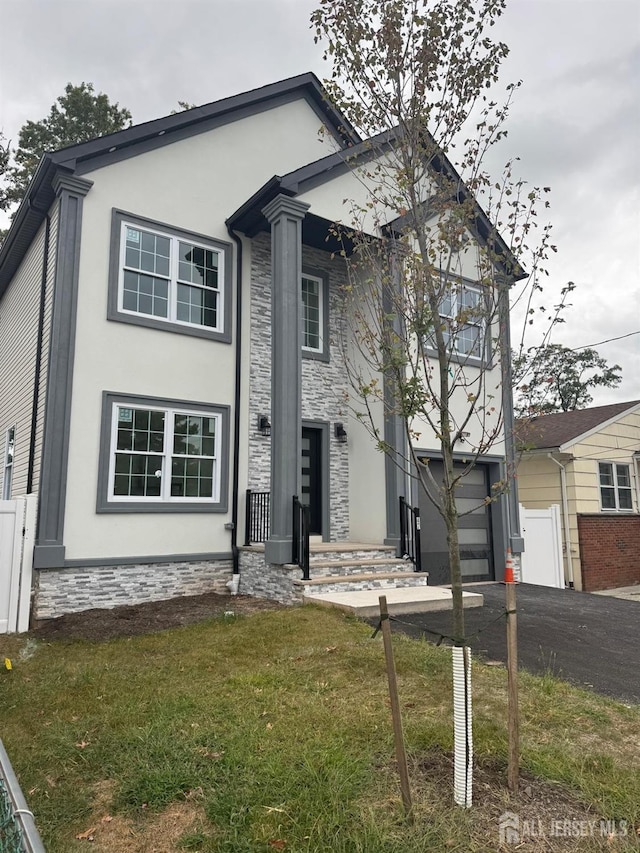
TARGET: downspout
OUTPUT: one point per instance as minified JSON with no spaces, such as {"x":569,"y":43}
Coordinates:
{"x":234,"y":583}
{"x":565,"y":518}
{"x":38,"y":365}
{"x":514,"y":538}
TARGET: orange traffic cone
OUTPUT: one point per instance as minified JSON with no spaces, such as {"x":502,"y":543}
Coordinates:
{"x":508,"y":569}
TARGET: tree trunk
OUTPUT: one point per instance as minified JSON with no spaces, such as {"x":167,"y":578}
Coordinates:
{"x":451,"y":523}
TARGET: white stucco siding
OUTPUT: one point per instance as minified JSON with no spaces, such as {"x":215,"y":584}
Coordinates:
{"x":194,"y":184}
{"x":197,"y":183}
{"x":19,"y":322}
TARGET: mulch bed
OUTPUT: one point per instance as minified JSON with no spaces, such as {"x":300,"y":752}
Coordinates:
{"x":133,"y":620}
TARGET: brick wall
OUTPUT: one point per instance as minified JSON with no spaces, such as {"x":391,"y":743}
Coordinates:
{"x":609,"y":550}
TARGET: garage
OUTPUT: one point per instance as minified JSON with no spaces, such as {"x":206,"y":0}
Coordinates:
{"x":475,"y":529}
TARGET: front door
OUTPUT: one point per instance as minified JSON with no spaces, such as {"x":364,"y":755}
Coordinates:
{"x":312,"y":476}
{"x":474,"y":529}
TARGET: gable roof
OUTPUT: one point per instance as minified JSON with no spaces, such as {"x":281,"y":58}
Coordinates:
{"x":249,"y":218}
{"x":79,"y":159}
{"x":555,"y":431}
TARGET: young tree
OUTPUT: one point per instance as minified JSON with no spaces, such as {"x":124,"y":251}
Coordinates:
{"x":435,"y":246}
{"x":554,"y":378}
{"x":77,"y":116}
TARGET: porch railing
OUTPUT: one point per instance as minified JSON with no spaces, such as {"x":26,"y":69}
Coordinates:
{"x":256,"y":527}
{"x":410,"y":534}
{"x":300,"y":544}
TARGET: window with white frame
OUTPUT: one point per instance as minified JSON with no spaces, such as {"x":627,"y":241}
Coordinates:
{"x":168,"y":278}
{"x":312,"y":313}
{"x":462,"y":318}
{"x":10,"y":441}
{"x":615,"y":487}
{"x":162,"y":456}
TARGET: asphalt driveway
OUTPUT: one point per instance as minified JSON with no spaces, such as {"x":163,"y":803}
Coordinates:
{"x":592,"y":641}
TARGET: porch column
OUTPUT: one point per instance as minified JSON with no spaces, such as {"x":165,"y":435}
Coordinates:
{"x":285,"y":215}
{"x":395,"y":463}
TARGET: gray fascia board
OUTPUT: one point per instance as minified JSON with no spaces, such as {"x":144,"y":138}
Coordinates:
{"x":28,"y":219}
{"x":198,"y":120}
{"x":91,"y":155}
{"x":96,"y":562}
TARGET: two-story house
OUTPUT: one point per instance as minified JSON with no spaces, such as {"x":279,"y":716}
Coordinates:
{"x":172,"y":337}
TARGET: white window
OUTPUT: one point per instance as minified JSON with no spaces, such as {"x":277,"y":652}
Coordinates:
{"x":615,"y":487}
{"x":169,"y":278}
{"x":462,"y":317}
{"x":10,"y":441}
{"x":164,"y":455}
{"x":312,"y":313}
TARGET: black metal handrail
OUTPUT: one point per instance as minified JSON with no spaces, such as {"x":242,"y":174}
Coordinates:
{"x":256,"y":527}
{"x":300,"y":543}
{"x":410,"y":534}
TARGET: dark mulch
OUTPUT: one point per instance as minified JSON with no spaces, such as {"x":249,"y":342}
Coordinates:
{"x":136,"y":619}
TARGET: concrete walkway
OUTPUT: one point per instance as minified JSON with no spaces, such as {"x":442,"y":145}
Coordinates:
{"x":627,"y":593}
{"x":410,"y":599}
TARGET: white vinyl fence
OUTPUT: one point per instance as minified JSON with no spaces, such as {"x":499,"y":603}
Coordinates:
{"x":17,"y":532}
{"x":541,"y":562}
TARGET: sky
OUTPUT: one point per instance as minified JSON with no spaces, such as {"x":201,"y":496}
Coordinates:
{"x":575,"y":124}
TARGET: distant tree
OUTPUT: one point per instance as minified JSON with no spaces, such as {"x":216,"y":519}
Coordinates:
{"x":77,"y":116}
{"x":4,"y":167}
{"x":183,"y":105}
{"x":554,"y":378}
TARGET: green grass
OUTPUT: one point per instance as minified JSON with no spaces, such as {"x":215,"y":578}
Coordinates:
{"x":278,"y":726}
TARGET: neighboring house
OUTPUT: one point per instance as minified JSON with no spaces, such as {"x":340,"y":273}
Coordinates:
{"x":587,"y":463}
{"x":144,"y":388}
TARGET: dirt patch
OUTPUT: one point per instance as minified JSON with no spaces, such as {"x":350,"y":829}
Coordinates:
{"x":133,"y":620}
{"x":146,"y":833}
{"x":541,"y":816}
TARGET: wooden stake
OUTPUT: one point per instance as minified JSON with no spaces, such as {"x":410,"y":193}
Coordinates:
{"x":512,"y":688}
{"x":401,"y":757}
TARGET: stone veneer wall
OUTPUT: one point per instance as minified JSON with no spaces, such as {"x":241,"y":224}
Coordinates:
{"x":324,"y":385}
{"x":263,"y":580}
{"x":60,"y":591}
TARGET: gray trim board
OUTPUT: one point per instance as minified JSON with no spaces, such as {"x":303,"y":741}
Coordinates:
{"x":323,"y":355}
{"x":325,"y":429}
{"x":104,"y":505}
{"x":55,"y":451}
{"x":96,"y":562}
{"x":113,"y":313}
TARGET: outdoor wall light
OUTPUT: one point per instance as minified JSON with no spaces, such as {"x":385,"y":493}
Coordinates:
{"x":341,"y":433}
{"x":264,"y":425}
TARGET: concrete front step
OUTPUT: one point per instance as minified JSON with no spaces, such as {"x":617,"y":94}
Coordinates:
{"x":415,"y":599}
{"x":338,"y":552}
{"x":324,"y":584}
{"x":385,"y":565}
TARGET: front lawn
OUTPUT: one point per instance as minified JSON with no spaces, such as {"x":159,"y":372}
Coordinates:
{"x":273,"y":732}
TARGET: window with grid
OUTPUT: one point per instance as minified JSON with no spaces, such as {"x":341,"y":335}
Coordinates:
{"x":461,"y":315}
{"x":615,"y":487}
{"x":312,"y":313}
{"x":10,"y":441}
{"x":168,"y":278}
{"x":162,"y":454}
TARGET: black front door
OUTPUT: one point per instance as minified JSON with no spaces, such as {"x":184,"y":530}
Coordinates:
{"x":474,"y":529}
{"x":312,"y":476}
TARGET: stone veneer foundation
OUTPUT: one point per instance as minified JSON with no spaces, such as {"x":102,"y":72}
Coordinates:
{"x":60,"y":591}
